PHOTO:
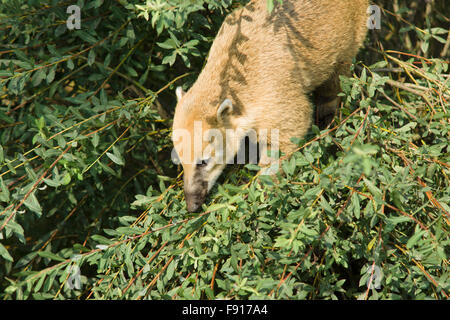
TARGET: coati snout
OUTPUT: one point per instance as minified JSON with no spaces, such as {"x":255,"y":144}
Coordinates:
{"x":261,"y":71}
{"x":195,"y":188}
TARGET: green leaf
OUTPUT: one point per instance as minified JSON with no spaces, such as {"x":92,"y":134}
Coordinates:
{"x":5,"y":254}
{"x":216,"y":207}
{"x":128,"y":230}
{"x":38,"y":77}
{"x":5,"y":73}
{"x":356,"y":205}
{"x":425,"y":45}
{"x":371,"y":243}
{"x":372,"y":188}
{"x":325,"y":205}
{"x":142,"y":200}
{"x":70,"y":64}
{"x":415,"y":238}
{"x":170,"y":59}
{"x":130,"y":33}
{"x":397,"y":220}
{"x":308,"y":231}
{"x":66,"y":179}
{"x":86,"y":37}
{"x":95,"y":139}
{"x":168,"y":44}
{"x":33,"y":204}
{"x":103,"y":97}
{"x":91,"y":57}
{"x":101,"y":239}
{"x":96,"y":3}
{"x":116,"y":159}
{"x":171,"y":269}
{"x":252,"y":167}
{"x":5,"y":118}
{"x":4,"y":192}
{"x":270,"y":5}
{"x":52,"y":183}
{"x":17,"y":229}
{"x":39,"y":284}
{"x":51,"y":74}
{"x":51,"y":256}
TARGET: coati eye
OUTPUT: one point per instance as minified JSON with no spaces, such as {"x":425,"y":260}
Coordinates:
{"x":202,"y":163}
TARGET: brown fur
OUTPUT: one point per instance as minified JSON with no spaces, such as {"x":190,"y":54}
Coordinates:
{"x":269,"y":64}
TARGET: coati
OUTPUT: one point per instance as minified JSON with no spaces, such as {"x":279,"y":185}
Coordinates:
{"x":261,"y":70}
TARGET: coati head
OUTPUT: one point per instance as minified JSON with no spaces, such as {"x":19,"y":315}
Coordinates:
{"x":206,"y":138}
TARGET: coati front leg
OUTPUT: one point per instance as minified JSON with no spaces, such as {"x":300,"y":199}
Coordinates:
{"x":326,"y":96}
{"x":284,"y":127}
{"x":269,"y":159}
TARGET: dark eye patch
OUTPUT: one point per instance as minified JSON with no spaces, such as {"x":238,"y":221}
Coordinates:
{"x":202,"y":163}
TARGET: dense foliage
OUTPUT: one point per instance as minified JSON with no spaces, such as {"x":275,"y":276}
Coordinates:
{"x":91,"y":205}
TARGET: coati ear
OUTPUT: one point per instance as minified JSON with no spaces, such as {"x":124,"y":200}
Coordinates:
{"x":180,"y":93}
{"x":226,"y":108}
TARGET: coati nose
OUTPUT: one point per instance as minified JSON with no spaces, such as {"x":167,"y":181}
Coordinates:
{"x":195,"y":192}
{"x":193,"y":207}
{"x":194,"y":202}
